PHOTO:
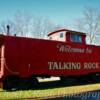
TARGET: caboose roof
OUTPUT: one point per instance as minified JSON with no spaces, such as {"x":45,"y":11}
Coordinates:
{"x":67,"y":30}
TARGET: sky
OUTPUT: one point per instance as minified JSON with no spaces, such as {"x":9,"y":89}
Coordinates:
{"x":59,"y":11}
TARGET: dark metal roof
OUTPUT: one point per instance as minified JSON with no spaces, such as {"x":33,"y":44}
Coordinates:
{"x":67,"y":30}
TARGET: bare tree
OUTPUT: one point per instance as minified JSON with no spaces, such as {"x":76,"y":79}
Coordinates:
{"x":22,"y":23}
{"x":90,"y":23}
{"x":3,"y":28}
{"x":26,"y":24}
{"x":42,"y":25}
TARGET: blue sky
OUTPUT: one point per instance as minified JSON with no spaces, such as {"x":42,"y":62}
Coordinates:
{"x":59,"y":11}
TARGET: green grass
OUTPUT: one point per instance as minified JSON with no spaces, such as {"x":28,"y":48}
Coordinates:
{"x":47,"y":92}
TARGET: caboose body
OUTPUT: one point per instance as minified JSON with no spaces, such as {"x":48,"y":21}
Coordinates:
{"x":65,"y":54}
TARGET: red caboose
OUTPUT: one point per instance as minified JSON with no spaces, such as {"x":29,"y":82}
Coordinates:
{"x":65,"y":54}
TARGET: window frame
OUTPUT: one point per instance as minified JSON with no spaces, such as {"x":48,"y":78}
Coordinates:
{"x":76,"y":38}
{"x":61,"y":35}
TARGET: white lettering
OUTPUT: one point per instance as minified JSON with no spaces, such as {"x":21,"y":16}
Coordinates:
{"x":64,"y":65}
{"x":91,"y":65}
{"x":72,"y":65}
{"x":67,"y":48}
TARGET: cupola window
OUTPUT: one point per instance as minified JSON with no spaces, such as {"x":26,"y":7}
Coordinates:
{"x":76,"y":38}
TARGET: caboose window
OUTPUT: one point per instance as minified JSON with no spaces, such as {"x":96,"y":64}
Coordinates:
{"x":76,"y":38}
{"x":50,"y":38}
{"x":61,"y":35}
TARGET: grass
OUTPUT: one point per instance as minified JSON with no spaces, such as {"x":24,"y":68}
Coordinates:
{"x":47,"y":92}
